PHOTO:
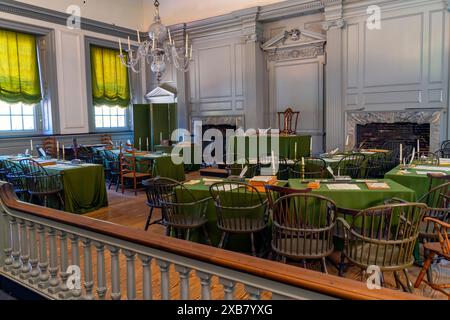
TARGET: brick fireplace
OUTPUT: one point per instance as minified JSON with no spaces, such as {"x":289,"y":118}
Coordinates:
{"x":377,"y":127}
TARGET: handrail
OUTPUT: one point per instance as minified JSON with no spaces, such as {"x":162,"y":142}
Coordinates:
{"x":293,"y":276}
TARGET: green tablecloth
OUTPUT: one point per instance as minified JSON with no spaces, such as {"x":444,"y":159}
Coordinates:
{"x":159,"y":165}
{"x":84,"y":187}
{"x":286,"y":144}
{"x":360,"y":199}
{"x":420,"y":183}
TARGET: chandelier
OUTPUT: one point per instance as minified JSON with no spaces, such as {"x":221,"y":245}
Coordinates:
{"x":158,"y":50}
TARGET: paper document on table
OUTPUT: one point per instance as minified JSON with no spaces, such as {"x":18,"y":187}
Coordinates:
{"x":431,"y":168}
{"x":444,"y":162}
{"x":209,"y":182}
{"x":343,"y":186}
{"x":192,"y":182}
{"x":428,"y":172}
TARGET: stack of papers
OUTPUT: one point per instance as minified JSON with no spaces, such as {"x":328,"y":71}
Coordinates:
{"x":343,"y":186}
{"x":377,"y":186}
{"x":210,"y":182}
{"x":192,"y":182}
{"x":431,"y":168}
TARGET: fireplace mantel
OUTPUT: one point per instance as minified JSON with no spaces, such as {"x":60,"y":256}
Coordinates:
{"x":420,"y":117}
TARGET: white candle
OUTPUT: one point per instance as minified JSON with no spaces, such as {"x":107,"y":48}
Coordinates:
{"x":170,"y":35}
{"x":129,"y":44}
{"x":160,"y":136}
{"x":31,"y":147}
{"x":187,"y":44}
{"x":57,"y":150}
{"x":138,"y":36}
{"x":418,"y":147}
{"x":303,"y":161}
{"x":148,"y":148}
{"x":273,"y":161}
{"x":140,"y":144}
{"x":347,"y":141}
{"x":120,"y":47}
{"x":190,"y":55}
{"x":295,"y":151}
{"x":63,"y":152}
{"x":401,"y":153}
{"x":154,"y":44}
{"x":311,"y":151}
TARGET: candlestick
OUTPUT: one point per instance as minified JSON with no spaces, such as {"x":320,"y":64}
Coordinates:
{"x":401,"y":153}
{"x":187,"y":44}
{"x":57,"y":150}
{"x":138,"y":36}
{"x":129,"y":44}
{"x":273,"y":163}
{"x":303,"y":168}
{"x":63,"y":153}
{"x":120,"y":47}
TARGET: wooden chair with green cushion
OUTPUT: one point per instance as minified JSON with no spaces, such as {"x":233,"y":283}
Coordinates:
{"x":240,"y":209}
{"x":315,"y":168}
{"x":303,"y":227}
{"x":384,"y":236}
{"x":440,"y":249}
{"x":184,"y":214}
{"x":351,"y":165}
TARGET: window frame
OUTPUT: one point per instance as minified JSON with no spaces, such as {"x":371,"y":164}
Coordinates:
{"x":135,"y":91}
{"x":47,"y":71}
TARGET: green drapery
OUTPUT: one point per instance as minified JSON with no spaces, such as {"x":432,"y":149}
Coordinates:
{"x":19,"y":69}
{"x":110,"y":84}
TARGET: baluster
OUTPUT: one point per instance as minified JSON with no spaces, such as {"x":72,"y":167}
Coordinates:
{"x":115,"y":273}
{"x":88,"y":273}
{"x":229,"y":288}
{"x":254,"y":293}
{"x":147,"y":284}
{"x":34,"y":259}
{"x":101,"y":280}
{"x":205,"y":280}
{"x":165,"y":278}
{"x":131,"y":278}
{"x":43,"y":259}
{"x":24,"y":251}
{"x":3,"y":235}
{"x":64,"y":275}
{"x":15,"y":247}
{"x":76,"y":292}
{"x":184,"y":281}
{"x":53,"y":269}
{"x":6,"y":230}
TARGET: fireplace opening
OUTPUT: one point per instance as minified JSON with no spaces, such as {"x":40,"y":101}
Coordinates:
{"x":223,"y":129}
{"x":377,"y":135}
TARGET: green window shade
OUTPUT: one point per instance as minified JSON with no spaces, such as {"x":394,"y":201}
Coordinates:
{"x":19,"y":69}
{"x":109,"y":78}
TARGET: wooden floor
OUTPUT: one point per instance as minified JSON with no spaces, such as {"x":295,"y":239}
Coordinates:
{"x":131,"y":211}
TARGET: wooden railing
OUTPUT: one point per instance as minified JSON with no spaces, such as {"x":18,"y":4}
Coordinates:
{"x":39,"y":248}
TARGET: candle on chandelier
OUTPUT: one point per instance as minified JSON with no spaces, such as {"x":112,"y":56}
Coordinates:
{"x":153,"y":46}
{"x":138,"y":36}
{"x":120,"y":47}
{"x":170,"y":35}
{"x":31,"y":147}
{"x":187,"y":45}
{"x":148,"y":149}
{"x":191,"y":51}
{"x":129,"y":44}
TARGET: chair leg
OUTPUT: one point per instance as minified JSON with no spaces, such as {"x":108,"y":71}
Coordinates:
{"x":205,"y":232}
{"x":424,"y":270}
{"x":149,"y":219}
{"x":283,"y":260}
{"x":342,"y":265}
{"x":61,"y":201}
{"x":324,"y":266}
{"x":252,"y":239}
{"x":409,"y":284}
{"x":188,"y":234}
{"x":222,"y":240}
{"x":398,"y":283}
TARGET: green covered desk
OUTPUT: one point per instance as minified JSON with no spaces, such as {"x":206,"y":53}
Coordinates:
{"x":415,"y":179}
{"x":84,"y":187}
{"x":286,"y":145}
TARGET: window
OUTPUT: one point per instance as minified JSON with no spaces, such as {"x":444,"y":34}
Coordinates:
{"x":110,"y":117}
{"x":17,"y":117}
{"x":20,"y":83}
{"x":110,"y":89}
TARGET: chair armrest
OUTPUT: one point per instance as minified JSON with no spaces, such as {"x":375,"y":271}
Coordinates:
{"x":439,"y":222}
{"x":344,"y":222}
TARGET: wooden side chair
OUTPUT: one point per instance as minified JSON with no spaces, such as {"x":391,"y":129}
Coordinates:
{"x":50,"y":147}
{"x":374,"y":166}
{"x":32,"y":168}
{"x":41,"y":187}
{"x":315,"y":168}
{"x":424,"y":158}
{"x":240,"y":209}
{"x":384,"y":236}
{"x":15,"y":175}
{"x":156,"y":190}
{"x":351,"y":165}
{"x":288,"y":122}
{"x":303,"y":227}
{"x":106,"y":139}
{"x":128,"y":171}
{"x":440,"y":249}
{"x":275,"y":192}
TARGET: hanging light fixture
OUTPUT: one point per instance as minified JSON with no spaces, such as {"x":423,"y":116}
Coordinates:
{"x":158,"y":50}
